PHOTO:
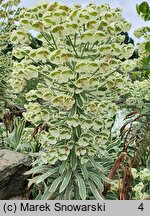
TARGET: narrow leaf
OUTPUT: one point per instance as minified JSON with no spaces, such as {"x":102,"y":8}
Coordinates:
{"x":83,"y":95}
{"x":147,"y":46}
{"x":41,"y":178}
{"x":65,"y":181}
{"x":105,"y":179}
{"x":97,"y":181}
{"x":96,"y":165}
{"x":62,"y":167}
{"x":95,"y":191}
{"x":84,"y":172}
{"x":73,"y":159}
{"x":55,"y":185}
{"x":137,"y":9}
{"x":79,"y":100}
{"x":73,"y":110}
{"x":32,"y":181}
{"x":76,"y":192}
{"x":82,"y":187}
{"x":37,"y":169}
{"x":68,"y":191}
{"x":46,"y":175}
{"x":78,"y":131}
{"x":45,"y":196}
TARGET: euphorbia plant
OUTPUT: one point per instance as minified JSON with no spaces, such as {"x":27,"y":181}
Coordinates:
{"x":8,"y":18}
{"x":70,"y":83}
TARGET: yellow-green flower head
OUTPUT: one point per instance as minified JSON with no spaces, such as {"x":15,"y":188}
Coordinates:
{"x":71,"y":73}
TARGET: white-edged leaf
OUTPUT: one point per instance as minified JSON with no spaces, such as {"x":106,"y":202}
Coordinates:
{"x":105,"y":179}
{"x":78,"y":131}
{"x":68,"y":191}
{"x":65,"y":181}
{"x":95,"y":191}
{"x":79,"y":100}
{"x":76,"y":192}
{"x":41,"y":178}
{"x":81,"y":185}
{"x":62,"y":167}
{"x":37,"y":169}
{"x":83,"y":95}
{"x":73,"y":110}
{"x":45,"y":196}
{"x":55,"y":185}
{"x":84,"y":172}
{"x":32,"y":181}
{"x":38,"y":197}
{"x":96,"y":165}
{"x":73,"y":159}
{"x":46,"y":175}
{"x":97,"y":181}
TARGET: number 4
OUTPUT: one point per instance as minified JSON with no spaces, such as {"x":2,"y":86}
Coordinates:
{"x":141,"y":207}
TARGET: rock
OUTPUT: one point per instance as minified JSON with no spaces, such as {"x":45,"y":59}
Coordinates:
{"x":13,"y":182}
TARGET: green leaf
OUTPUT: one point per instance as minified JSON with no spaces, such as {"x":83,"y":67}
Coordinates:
{"x":146,"y":73}
{"x":78,"y":131}
{"x":144,"y":7}
{"x":45,"y":196}
{"x":112,"y":145}
{"x":83,"y":95}
{"x":105,"y":179}
{"x":46,"y":175}
{"x":96,"y":165}
{"x":47,"y":36}
{"x":60,"y":196}
{"x":147,"y":16}
{"x":76,"y":192}
{"x":73,"y":159}
{"x":68,"y":192}
{"x":37,"y":169}
{"x":73,"y":110}
{"x":84,"y":171}
{"x":32,"y":181}
{"x":62,"y":167}
{"x":147,"y":46}
{"x":81,"y":185}
{"x":79,"y":100}
{"x":39,"y":179}
{"x":95,"y":191}
{"x":137,"y":9}
{"x":65,"y":181}
{"x":38,"y":197}
{"x":55,"y":185}
{"x":135,"y":75}
{"x":19,"y":125}
{"x":97,"y":181}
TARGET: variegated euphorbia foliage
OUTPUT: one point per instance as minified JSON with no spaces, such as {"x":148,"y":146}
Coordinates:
{"x":8,"y":16}
{"x":80,"y":70}
{"x":143,"y":62}
{"x":140,"y":89}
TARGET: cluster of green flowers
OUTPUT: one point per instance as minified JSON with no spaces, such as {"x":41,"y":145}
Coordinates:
{"x":143,"y":48}
{"x":79,"y":72}
{"x":144,"y":177}
{"x":8,"y":16}
{"x":139,"y":91}
{"x":141,"y":184}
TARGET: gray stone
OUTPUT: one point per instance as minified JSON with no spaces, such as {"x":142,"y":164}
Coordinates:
{"x":13,"y":182}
